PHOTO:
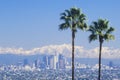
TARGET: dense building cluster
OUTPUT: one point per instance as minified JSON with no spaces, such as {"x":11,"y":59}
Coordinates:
{"x":84,"y":73}
{"x":49,"y":62}
{"x":56,"y":67}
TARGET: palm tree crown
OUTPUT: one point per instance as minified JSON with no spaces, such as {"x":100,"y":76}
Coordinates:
{"x":101,"y":30}
{"x":73,"y":19}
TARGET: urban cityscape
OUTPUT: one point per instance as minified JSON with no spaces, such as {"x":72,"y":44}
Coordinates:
{"x":56,"y":67}
{"x":59,"y":40}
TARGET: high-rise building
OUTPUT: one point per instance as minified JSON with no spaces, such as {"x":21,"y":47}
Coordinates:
{"x":37,"y":63}
{"x":110,"y":64}
{"x":52,"y":61}
{"x":55,"y":61}
{"x":45,"y":61}
{"x":25,"y":62}
{"x":61,"y":61}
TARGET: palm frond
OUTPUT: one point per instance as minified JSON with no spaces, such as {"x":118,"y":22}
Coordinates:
{"x":110,"y":30}
{"x":63,"y":14}
{"x":68,"y":12}
{"x":82,"y":16}
{"x":85,"y":26}
{"x":92,"y":29}
{"x":95,"y":24}
{"x":109,"y":37}
{"x":92,"y":37}
{"x":103,"y":24}
{"x":63,"y":26}
{"x":63,"y":17}
{"x":82,"y":26}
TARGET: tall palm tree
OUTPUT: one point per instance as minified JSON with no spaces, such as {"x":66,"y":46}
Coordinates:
{"x":102,"y":31}
{"x":73,"y":19}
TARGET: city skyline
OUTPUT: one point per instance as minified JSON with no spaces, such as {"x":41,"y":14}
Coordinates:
{"x":45,"y":68}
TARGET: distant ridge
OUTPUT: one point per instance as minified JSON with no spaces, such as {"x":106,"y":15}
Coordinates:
{"x":65,"y":49}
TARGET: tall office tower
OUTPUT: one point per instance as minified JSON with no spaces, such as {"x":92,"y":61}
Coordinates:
{"x":61,"y":61}
{"x":56,"y":57}
{"x":52,"y":61}
{"x":45,"y":61}
{"x":110,"y":64}
{"x":37,"y":63}
{"x":25,"y":62}
{"x":55,"y":61}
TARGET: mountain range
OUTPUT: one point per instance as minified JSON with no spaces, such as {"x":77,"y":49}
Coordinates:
{"x":65,"y":49}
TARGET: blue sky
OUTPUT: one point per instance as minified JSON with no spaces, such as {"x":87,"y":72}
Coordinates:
{"x":34,"y":23}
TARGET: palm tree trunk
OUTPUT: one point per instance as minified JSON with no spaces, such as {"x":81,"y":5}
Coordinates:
{"x":99,"y":73}
{"x":73,"y":37}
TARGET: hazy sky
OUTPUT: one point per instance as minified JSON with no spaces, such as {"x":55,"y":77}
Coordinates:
{"x":34,"y":23}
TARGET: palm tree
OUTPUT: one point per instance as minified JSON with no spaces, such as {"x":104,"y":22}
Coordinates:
{"x":73,"y":19}
{"x":102,"y":31}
